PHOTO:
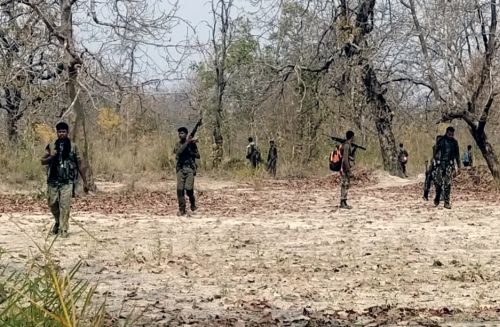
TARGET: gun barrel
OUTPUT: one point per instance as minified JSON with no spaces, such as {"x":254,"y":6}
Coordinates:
{"x":195,"y":129}
{"x":340,"y":140}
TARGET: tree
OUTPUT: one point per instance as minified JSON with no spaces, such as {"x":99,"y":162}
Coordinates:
{"x":221,"y":39}
{"x":356,"y":30}
{"x":25,"y":54}
{"x":137,"y":23}
{"x":459,"y":71}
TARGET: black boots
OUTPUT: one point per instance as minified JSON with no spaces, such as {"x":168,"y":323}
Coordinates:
{"x":192,"y":199}
{"x":344,"y":205}
{"x":182,"y":201}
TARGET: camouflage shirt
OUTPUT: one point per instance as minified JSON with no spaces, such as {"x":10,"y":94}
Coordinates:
{"x":62,"y":171}
{"x":347,"y":157}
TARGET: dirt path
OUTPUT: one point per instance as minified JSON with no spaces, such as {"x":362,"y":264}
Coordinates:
{"x":276,"y":255}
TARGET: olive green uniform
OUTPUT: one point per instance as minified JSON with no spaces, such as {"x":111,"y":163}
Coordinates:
{"x":346,"y":171}
{"x":186,"y":155}
{"x":61,"y":175}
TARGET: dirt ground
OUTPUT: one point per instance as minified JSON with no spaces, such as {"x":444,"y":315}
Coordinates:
{"x":277,"y":253}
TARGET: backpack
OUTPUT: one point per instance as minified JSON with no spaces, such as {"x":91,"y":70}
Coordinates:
{"x":255,"y":155}
{"x":336,"y":158}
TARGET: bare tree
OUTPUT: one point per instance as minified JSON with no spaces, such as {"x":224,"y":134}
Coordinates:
{"x":466,"y":90}
{"x":25,"y":56}
{"x":221,"y":39}
{"x":355,"y":48}
{"x":134,"y":24}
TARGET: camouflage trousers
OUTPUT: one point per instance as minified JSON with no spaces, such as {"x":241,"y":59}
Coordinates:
{"x":185,"y":185}
{"x":345,"y":178}
{"x":59,"y":200}
{"x":442,"y":177}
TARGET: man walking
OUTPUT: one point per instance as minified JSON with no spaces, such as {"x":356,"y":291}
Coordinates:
{"x":253,"y":153}
{"x":64,"y":162}
{"x":403,"y":158}
{"x":272,"y":158}
{"x":345,"y":172}
{"x":186,"y":153}
{"x":446,"y":153}
{"x":429,"y":173}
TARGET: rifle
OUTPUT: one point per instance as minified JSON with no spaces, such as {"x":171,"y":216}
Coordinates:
{"x":340,"y":140}
{"x":195,"y":129}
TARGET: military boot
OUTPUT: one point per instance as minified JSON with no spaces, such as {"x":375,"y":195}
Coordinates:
{"x":344,"y":205}
{"x":438,"y":197}
{"x":55,"y":229}
{"x":426,"y":195}
{"x":192,"y":200}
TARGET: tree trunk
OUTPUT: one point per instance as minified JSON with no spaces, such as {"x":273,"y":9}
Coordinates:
{"x":487,"y":151}
{"x":80,"y":121}
{"x":381,"y":111}
{"x":383,"y":121}
{"x":218,"y":150}
{"x":12,"y":127}
{"x":72,"y":63}
{"x":14,"y":113}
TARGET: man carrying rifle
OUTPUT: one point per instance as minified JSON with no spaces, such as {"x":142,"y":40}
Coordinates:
{"x":348,"y":151}
{"x":63,"y":161}
{"x":186,"y":153}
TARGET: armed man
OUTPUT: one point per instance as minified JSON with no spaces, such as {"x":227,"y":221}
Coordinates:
{"x":253,"y":153}
{"x":447,"y":153}
{"x":348,"y":151}
{"x":64,"y":162}
{"x":272,"y":158}
{"x":186,"y":153}
{"x":429,"y":171}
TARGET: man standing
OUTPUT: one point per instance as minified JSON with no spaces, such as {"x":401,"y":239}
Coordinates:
{"x":403,"y":158}
{"x":272,"y":158}
{"x":64,"y":162}
{"x":429,"y":173}
{"x":446,"y":154}
{"x":345,"y":172}
{"x":253,"y":153}
{"x":186,"y":153}
{"x":468,"y":159}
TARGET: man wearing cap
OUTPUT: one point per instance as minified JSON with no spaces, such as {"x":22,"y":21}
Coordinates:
{"x":186,"y":153}
{"x":64,"y":162}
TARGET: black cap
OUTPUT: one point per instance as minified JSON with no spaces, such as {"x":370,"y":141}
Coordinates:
{"x":182,"y":130}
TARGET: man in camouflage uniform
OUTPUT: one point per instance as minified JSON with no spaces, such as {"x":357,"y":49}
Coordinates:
{"x":345,"y":172}
{"x":64,"y":163}
{"x":446,"y":153}
{"x":429,"y":173}
{"x":272,"y":158}
{"x":186,"y":153}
